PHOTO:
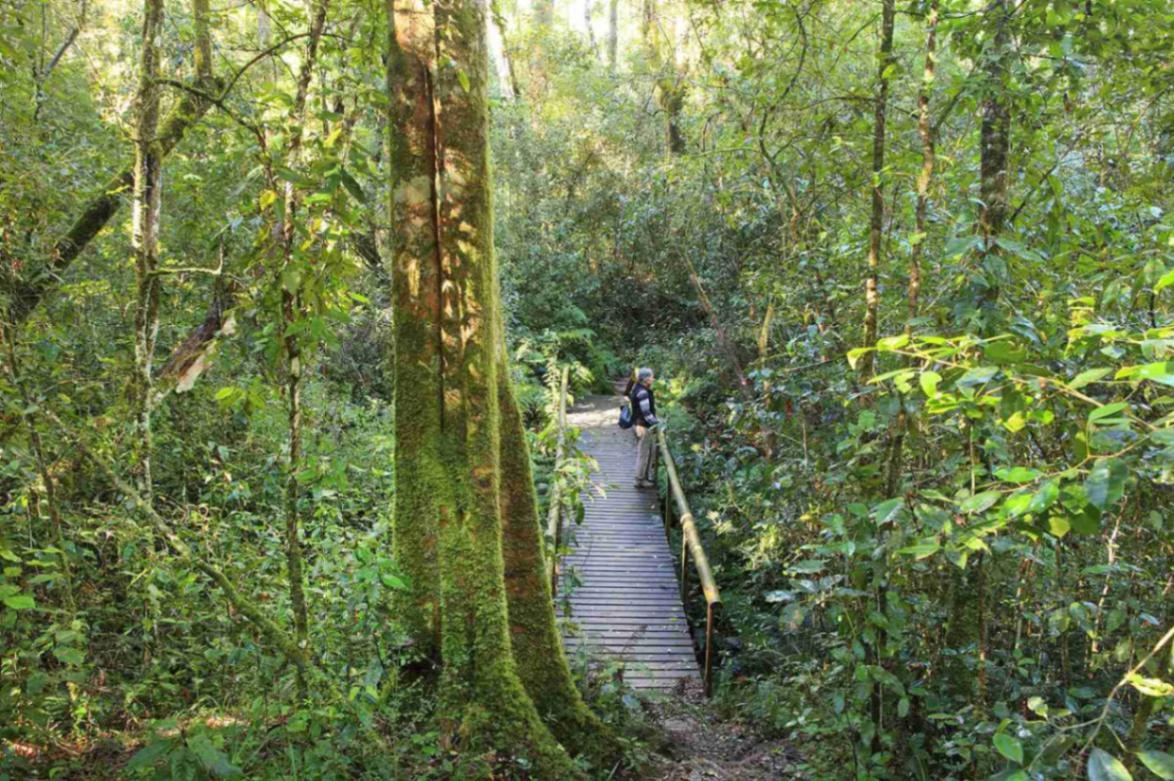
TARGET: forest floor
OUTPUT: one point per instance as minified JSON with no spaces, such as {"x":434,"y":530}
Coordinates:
{"x":699,"y":745}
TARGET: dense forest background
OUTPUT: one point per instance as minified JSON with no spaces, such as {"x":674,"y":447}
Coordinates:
{"x":904,"y":270}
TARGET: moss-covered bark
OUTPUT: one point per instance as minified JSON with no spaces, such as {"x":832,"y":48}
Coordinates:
{"x":462,"y":472}
{"x":420,"y":475}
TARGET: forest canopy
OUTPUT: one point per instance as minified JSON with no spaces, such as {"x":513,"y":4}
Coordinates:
{"x":287,"y":289}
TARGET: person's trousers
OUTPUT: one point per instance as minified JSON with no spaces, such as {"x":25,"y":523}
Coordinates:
{"x":645,"y":453}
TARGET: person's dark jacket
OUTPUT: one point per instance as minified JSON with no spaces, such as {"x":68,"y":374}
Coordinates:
{"x":644,"y":407}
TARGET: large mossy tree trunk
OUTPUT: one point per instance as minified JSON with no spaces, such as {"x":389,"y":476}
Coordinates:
{"x":462,"y":508}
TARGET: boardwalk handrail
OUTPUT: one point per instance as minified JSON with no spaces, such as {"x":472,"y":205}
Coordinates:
{"x":691,"y":544}
{"x":554,"y":513}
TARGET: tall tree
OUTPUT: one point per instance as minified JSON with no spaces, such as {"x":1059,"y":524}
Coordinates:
{"x":995,"y":135}
{"x":146,"y":204}
{"x":877,"y":215}
{"x":291,"y":312}
{"x":453,"y":486}
{"x":613,"y":32}
{"x":925,"y":131}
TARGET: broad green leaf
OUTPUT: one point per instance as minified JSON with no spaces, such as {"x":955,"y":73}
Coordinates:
{"x":855,"y":353}
{"x":1161,"y":372}
{"x":1045,"y":497}
{"x":1165,"y":282}
{"x":979,"y":375}
{"x":20,"y":602}
{"x":807,"y":566}
{"x":1106,"y":484}
{"x":1017,"y":504}
{"x":1087,"y":377}
{"x":70,"y":655}
{"x":979,"y":502}
{"x":391,"y":581}
{"x":929,"y":383}
{"x":1010,"y":747}
{"x":922,"y":549}
{"x":1103,"y":766}
{"x":1160,"y":763}
{"x":887,"y":510}
{"x":1004,"y":353}
{"x":1151,"y":687}
{"x":1017,"y":474}
{"x":1108,"y":410}
{"x":1058,"y":525}
{"x":890,"y":343}
{"x":352,"y":186}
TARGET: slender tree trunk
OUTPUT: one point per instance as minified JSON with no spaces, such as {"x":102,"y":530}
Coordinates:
{"x":926,"y":132}
{"x":509,"y":52}
{"x":201,"y":15}
{"x":613,"y":32}
{"x":588,"y":10}
{"x":291,"y":312}
{"x":995,"y":143}
{"x":876,"y":219}
{"x":48,"y":487}
{"x":670,"y":84}
{"x":43,"y":71}
{"x":145,"y":237}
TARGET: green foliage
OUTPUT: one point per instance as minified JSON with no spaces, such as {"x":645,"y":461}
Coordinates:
{"x":959,"y":568}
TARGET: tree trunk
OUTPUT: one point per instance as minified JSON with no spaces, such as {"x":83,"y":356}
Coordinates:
{"x":415,"y":285}
{"x":613,"y":32}
{"x":449,"y":362}
{"x":291,"y":312}
{"x":670,"y":85}
{"x":588,"y":10}
{"x":144,"y":238}
{"x":202,"y":57}
{"x":995,"y":144}
{"x":876,"y":219}
{"x":926,"y":132}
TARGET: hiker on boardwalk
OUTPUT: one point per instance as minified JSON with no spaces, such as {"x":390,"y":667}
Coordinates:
{"x":644,"y":418}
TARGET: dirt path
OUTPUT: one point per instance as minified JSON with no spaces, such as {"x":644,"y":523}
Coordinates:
{"x":699,"y":746}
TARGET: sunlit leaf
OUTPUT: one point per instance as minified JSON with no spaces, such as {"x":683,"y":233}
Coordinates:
{"x":1103,"y":766}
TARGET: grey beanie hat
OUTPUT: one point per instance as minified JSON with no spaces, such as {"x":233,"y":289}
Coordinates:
{"x":643,"y":374}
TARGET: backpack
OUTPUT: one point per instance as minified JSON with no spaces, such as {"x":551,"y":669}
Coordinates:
{"x":626,"y":419}
{"x":626,"y":416}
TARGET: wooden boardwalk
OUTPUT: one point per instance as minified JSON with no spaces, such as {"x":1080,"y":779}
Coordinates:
{"x":626,"y":606}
